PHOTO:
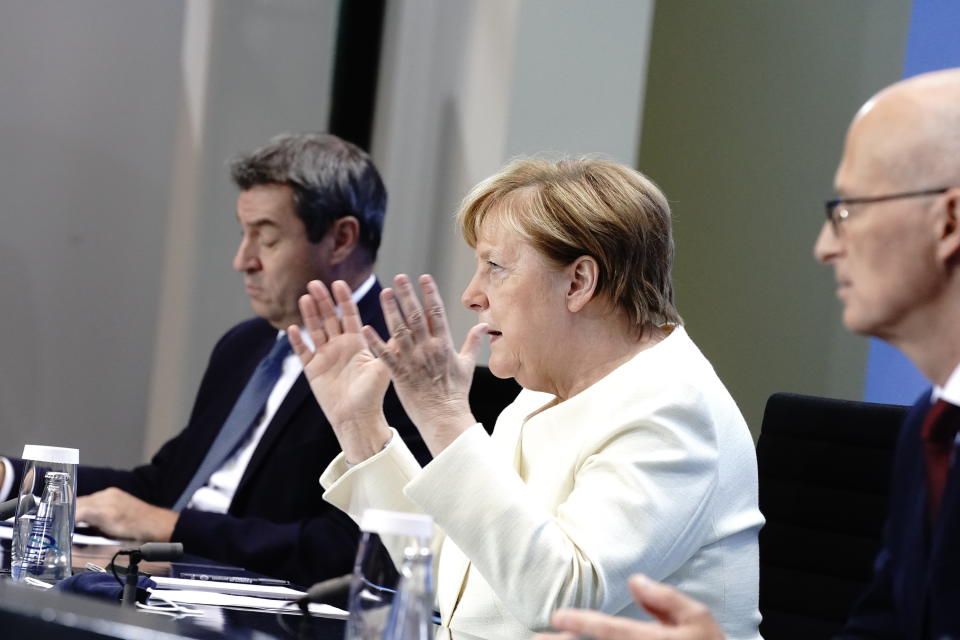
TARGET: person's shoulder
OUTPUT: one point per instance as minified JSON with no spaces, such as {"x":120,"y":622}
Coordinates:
{"x":672,"y":366}
{"x":673,"y":384}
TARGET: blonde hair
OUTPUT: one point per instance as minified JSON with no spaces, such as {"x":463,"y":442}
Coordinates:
{"x":587,"y":206}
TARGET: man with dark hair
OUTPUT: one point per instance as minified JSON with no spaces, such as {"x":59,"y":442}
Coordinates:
{"x":240,"y":483}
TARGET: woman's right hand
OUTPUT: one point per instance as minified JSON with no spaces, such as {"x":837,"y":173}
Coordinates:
{"x":347,"y":380}
{"x":431,"y":378}
{"x":678,"y":617}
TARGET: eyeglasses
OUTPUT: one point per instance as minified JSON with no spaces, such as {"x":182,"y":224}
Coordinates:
{"x":837,"y":210}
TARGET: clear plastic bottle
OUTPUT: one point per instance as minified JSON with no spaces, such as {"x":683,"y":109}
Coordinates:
{"x":411,"y":617}
{"x":43,"y":537}
{"x":372,"y":589}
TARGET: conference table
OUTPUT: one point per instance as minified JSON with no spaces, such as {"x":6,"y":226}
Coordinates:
{"x":34,"y":613}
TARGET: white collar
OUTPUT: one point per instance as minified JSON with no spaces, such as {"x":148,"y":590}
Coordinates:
{"x":363,"y":289}
{"x":950,"y":391}
{"x":356,"y":296}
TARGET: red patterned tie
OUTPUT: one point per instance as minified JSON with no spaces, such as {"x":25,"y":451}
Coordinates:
{"x":939,"y":431}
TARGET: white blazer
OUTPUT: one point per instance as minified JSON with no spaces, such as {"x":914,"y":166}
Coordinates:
{"x":649,"y":470}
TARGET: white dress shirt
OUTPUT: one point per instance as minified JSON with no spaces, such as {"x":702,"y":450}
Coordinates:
{"x":218,"y":492}
{"x":950,"y":391}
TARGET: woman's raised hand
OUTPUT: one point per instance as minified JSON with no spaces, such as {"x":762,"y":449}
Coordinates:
{"x":347,"y":380}
{"x":431,"y":378}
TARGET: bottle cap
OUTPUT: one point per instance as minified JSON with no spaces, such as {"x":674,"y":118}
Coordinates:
{"x":61,"y":455}
{"x":396,"y":523}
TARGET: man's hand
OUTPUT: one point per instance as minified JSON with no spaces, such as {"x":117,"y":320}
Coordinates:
{"x":680,"y":618}
{"x":120,"y":515}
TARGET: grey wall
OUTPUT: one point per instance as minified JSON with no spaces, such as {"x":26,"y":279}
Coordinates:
{"x":118,"y":221}
{"x":747,"y":104}
{"x":468,"y":84}
{"x":88,"y":105}
{"x":269,"y":69}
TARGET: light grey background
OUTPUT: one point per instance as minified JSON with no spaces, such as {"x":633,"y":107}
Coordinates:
{"x":116,"y":120}
{"x":88,"y":101}
{"x":747,"y":107}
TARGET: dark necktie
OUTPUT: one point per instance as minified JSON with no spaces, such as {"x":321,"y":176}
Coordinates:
{"x":938,"y":433}
{"x":243,"y":416}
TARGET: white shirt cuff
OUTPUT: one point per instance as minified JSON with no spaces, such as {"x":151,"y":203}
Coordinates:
{"x":7,"y":480}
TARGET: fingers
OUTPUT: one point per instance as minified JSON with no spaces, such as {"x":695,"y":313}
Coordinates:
{"x":435,"y":313}
{"x":312,"y":322}
{"x":377,"y":346}
{"x":102,"y":506}
{"x":121,"y":515}
{"x":408,"y":321}
{"x":349,"y":314}
{"x":299,"y":346}
{"x":410,"y":307}
{"x":325,"y":306}
{"x":85,"y":509}
{"x":665,"y":603}
{"x":471,"y":344}
{"x":603,"y":627}
{"x":400,"y":334}
{"x":319,"y":312}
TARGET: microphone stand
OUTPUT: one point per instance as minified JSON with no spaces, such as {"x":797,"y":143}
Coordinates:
{"x":151,"y":552}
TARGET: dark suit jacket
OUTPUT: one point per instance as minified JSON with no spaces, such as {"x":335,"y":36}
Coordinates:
{"x":916,"y":588}
{"x":278,"y":522}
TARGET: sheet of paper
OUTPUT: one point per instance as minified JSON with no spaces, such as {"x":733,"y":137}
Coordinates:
{"x":98,"y":541}
{"x":247,"y":602}
{"x":233,"y":588}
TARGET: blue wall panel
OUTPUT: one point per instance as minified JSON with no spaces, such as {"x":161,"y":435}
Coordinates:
{"x":932,"y":43}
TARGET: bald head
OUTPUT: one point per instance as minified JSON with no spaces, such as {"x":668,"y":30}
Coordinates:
{"x":908,"y":135}
{"x":895,"y":244}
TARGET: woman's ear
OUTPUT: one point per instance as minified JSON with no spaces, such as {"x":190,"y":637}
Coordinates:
{"x":584,"y":273}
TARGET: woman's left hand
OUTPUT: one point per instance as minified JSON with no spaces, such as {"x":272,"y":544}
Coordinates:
{"x":432,"y":380}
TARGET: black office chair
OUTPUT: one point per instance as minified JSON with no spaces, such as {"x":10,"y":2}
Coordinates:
{"x":824,"y":468}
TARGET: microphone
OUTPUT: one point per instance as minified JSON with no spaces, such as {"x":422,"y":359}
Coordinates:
{"x":8,"y":508}
{"x":320,"y":591}
{"x":151,"y":552}
{"x":154,"y":552}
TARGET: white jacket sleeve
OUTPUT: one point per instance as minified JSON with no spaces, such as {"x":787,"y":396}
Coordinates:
{"x":635,"y":506}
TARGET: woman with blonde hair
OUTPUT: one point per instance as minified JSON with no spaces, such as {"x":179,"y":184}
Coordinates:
{"x":623,"y":453}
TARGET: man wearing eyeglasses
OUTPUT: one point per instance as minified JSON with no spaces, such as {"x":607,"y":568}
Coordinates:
{"x":893,"y":240}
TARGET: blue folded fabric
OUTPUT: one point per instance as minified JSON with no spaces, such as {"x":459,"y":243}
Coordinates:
{"x":103,"y":586}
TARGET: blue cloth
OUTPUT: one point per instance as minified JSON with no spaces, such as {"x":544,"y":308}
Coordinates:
{"x":915,"y":592}
{"x":242,"y":417}
{"x":103,"y":586}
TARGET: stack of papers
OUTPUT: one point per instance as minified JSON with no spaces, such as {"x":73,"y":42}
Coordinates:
{"x":231,"y":588}
{"x":231,"y":594}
